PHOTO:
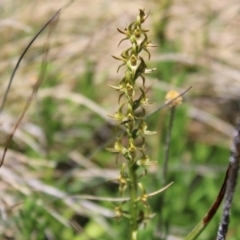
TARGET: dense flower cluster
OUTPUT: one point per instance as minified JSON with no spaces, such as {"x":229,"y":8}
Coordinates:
{"x":131,"y":115}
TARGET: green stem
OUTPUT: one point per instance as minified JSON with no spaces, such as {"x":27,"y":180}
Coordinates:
{"x":133,"y":180}
{"x":211,"y":212}
{"x":162,"y":222}
{"x":133,"y":203}
{"x":196,"y":231}
{"x":167,"y":145}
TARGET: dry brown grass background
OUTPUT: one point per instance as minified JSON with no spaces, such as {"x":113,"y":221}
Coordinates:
{"x":207,"y":33}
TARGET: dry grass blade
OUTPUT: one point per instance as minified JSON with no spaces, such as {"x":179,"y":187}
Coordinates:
{"x":62,"y":93}
{"x":52,"y":21}
{"x":21,"y":57}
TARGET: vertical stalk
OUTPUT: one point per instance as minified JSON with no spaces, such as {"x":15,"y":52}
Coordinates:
{"x":162,"y":221}
{"x":131,"y":157}
{"x":133,"y":203}
{"x":168,"y":144}
{"x":170,"y":97}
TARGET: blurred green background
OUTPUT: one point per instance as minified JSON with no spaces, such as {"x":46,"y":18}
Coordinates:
{"x":57,"y":158}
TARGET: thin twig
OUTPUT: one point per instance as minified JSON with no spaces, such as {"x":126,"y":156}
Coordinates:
{"x":227,"y":190}
{"x":231,"y":184}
